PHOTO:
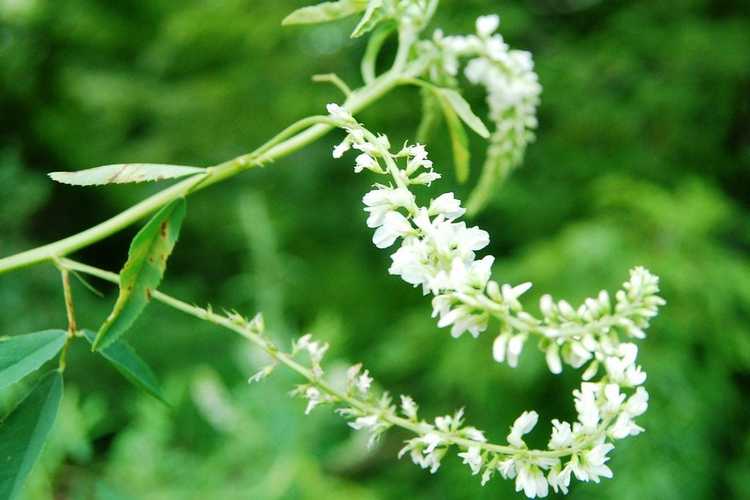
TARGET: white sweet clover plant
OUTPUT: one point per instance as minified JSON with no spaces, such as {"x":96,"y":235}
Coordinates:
{"x":434,"y":250}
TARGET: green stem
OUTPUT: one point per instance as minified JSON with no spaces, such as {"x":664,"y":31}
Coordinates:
{"x":70,"y":311}
{"x":243,"y":329}
{"x":270,"y":151}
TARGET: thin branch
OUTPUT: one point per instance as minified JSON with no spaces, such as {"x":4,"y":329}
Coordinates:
{"x":335,"y":80}
{"x":70,"y":311}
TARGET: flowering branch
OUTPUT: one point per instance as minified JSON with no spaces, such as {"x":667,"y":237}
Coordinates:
{"x":579,"y":449}
{"x":438,"y":253}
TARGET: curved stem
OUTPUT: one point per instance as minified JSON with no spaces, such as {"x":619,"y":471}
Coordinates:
{"x":270,"y":151}
{"x":242,"y":328}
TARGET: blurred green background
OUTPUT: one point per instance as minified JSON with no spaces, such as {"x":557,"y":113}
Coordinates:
{"x":642,"y":157}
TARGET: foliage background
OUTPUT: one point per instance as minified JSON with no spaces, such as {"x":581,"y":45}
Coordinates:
{"x":643,"y":157}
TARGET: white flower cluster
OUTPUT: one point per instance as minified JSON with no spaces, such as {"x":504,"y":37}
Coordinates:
{"x":512,"y":87}
{"x":587,"y":334}
{"x":579,"y":449}
{"x":438,"y":253}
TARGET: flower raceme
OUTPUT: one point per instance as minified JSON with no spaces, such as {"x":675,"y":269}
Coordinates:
{"x":438,"y":253}
{"x":512,"y":87}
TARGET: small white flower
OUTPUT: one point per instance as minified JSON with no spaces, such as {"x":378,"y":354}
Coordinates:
{"x":261,"y":374}
{"x":426,"y":178}
{"x":432,"y":440}
{"x":341,"y":148}
{"x":515,"y":347}
{"x":339,"y":113}
{"x":487,"y":25}
{"x":624,"y":427}
{"x":547,"y":306}
{"x":473,"y":458}
{"x":552,"y":356}
{"x":531,"y":481}
{"x":591,"y":465}
{"x":558,"y":479}
{"x":446,"y":205}
{"x":363,"y":382}
{"x":463,"y":319}
{"x":474,"y":434}
{"x":637,"y":403}
{"x":562,"y":435}
{"x":522,"y":425}
{"x":613,"y":399}
{"x":366,"y":422}
{"x":365,"y":161}
{"x":313,"y":396}
{"x":409,"y":407}
{"x":382,"y":200}
{"x":585,"y":403}
{"x":395,"y":225}
{"x":500,"y":347}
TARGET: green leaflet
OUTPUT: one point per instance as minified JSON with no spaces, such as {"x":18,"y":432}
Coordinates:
{"x":124,"y":358}
{"x":459,"y":141}
{"x":324,"y":12}
{"x":142,"y":273}
{"x":430,"y":115}
{"x":462,"y":108}
{"x":24,"y":432}
{"x":23,"y":354}
{"x":455,"y":109}
{"x":373,"y":15}
{"x":123,"y":174}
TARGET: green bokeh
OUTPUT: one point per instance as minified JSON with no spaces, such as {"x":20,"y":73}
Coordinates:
{"x":642,"y":157}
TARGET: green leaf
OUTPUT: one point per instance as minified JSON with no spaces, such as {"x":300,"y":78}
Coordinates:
{"x":430,"y":115}
{"x":24,"y":432}
{"x":23,"y":354}
{"x":459,"y":141}
{"x":142,"y":273}
{"x":373,"y":15}
{"x":124,"y":358}
{"x":463,"y":109}
{"x":123,"y":174}
{"x":324,"y":12}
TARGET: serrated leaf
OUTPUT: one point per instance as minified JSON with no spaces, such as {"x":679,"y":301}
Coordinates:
{"x":459,"y":141}
{"x":372,"y":16}
{"x":124,"y":173}
{"x":143,"y":271}
{"x":24,"y":432}
{"x":125,"y":360}
{"x":325,"y":12}
{"x":22,"y":354}
{"x":463,"y":109}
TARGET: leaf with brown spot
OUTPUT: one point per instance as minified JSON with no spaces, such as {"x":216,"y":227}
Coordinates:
{"x":143,"y":271}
